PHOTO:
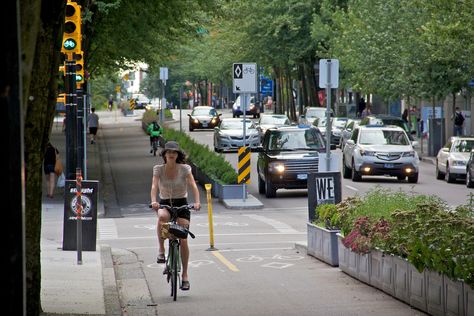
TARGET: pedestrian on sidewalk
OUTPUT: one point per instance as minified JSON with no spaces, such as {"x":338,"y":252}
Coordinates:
{"x":458,"y":122}
{"x":49,"y":162}
{"x":172,"y":180}
{"x":93,"y":123}
{"x":366,"y":112}
{"x":361,"y":107}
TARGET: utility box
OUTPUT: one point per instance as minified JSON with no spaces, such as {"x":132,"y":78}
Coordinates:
{"x":437,"y":137}
{"x":89,"y":197}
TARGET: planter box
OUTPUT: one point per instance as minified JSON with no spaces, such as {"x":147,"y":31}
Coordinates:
{"x":400,"y":279}
{"x":454,"y":298}
{"x":417,"y":288}
{"x":363,"y":267}
{"x":376,"y":269}
{"x":202,"y":179}
{"x":468,"y":300}
{"x":388,"y":274}
{"x":348,"y":260}
{"x":230,"y":191}
{"x":323,"y":244}
{"x":434,"y":293}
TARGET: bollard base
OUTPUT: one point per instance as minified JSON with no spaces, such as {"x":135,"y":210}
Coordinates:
{"x":211,"y":249}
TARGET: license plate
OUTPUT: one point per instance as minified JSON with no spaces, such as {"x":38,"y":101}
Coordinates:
{"x":204,"y":124}
{"x":388,"y":165}
{"x":302,"y":176}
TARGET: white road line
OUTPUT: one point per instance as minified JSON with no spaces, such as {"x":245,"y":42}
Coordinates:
{"x":279,"y":226}
{"x":352,"y":188}
{"x":107,"y":229}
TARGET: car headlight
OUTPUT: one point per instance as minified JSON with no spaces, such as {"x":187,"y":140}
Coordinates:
{"x":251,"y":106}
{"x":196,"y":121}
{"x":408,"y":154}
{"x":459,"y":163}
{"x":367,"y":152}
{"x":276,"y":167}
{"x":213,"y":121}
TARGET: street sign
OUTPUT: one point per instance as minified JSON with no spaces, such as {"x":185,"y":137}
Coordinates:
{"x":266,"y":86}
{"x":245,"y":77}
{"x":163,"y":73}
{"x":329,"y":79}
{"x":323,"y":188}
{"x":471,"y":83}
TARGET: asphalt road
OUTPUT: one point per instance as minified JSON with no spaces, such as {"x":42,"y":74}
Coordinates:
{"x":257,"y":270}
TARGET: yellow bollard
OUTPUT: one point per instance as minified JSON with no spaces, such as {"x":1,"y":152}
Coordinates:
{"x":208,"y":187}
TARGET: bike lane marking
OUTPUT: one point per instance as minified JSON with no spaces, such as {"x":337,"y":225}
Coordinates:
{"x":279,"y":226}
{"x":226,"y":262}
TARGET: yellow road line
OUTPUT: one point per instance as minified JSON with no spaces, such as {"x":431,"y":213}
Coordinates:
{"x":226,"y":262}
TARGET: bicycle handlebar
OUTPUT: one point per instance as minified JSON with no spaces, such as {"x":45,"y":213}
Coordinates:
{"x":168,"y":207}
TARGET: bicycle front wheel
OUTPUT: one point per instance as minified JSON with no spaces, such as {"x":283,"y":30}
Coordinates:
{"x":174,"y":271}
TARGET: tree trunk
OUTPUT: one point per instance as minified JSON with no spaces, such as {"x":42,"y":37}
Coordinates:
{"x":38,"y":122}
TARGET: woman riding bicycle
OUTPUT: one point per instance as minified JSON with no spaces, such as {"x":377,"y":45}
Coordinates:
{"x":154,"y":130}
{"x":172,"y":180}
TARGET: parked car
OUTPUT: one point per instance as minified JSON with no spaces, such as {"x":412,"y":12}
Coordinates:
{"x":382,"y":119}
{"x":337,"y":125}
{"x":451,"y":160}
{"x":252,"y":109}
{"x":311,"y":114}
{"x":267,"y":121}
{"x":286,"y":157}
{"x":379,"y":150}
{"x":470,"y":171}
{"x":203,"y":117}
{"x":346,"y":133}
{"x":229,"y":135}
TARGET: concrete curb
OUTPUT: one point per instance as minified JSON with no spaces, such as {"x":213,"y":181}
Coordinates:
{"x":250,"y":202}
{"x":135,"y":296}
{"x":111,"y":295}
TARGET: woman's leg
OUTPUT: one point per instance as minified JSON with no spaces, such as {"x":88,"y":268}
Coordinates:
{"x":163,"y":217}
{"x":184,"y":250}
{"x":51,"y":183}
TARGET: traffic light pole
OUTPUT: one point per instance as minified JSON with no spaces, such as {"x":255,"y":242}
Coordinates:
{"x":80,"y":128}
{"x":71,"y":114}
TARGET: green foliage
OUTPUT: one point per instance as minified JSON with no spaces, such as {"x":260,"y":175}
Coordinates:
{"x":327,"y":216}
{"x":209,"y":162}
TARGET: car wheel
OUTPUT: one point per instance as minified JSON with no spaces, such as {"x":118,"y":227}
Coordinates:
{"x":261,"y":185}
{"x":413,"y":178}
{"x":346,"y":172}
{"x":190,"y":128}
{"x":270,"y":190}
{"x":355,"y":175}
{"x":233,"y":115}
{"x":469,"y":180}
{"x":439,"y":174}
{"x":450,"y":176}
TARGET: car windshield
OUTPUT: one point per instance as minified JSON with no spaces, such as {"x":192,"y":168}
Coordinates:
{"x":293,"y":140}
{"x":274,"y":119}
{"x":463,"y":146}
{"x":339,"y":123}
{"x":399,"y":123}
{"x":237,"y":124}
{"x":383,"y":137}
{"x":315,"y":112}
{"x":204,"y":112}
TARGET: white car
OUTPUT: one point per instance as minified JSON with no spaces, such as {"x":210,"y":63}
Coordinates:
{"x":267,"y":121}
{"x":380,"y":150}
{"x":452,"y":159}
{"x":229,"y":135}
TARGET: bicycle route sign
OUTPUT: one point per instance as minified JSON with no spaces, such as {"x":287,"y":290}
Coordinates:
{"x":245,"y":77}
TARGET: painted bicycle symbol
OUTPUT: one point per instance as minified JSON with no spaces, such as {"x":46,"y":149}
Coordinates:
{"x":253,"y":258}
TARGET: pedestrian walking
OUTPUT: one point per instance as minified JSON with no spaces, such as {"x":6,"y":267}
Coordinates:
{"x":49,"y":162}
{"x":361,"y":107}
{"x":366,"y":111}
{"x":458,"y":122}
{"x":93,"y":123}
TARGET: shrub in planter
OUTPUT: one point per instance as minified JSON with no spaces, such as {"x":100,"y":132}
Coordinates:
{"x":327,"y":216}
{"x":209,"y":162}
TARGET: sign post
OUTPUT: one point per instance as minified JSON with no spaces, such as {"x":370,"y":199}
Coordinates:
{"x":163,"y":78}
{"x":328,"y":78}
{"x":244,"y":83}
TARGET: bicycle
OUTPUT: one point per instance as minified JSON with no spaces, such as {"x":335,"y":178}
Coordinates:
{"x":174,"y":233}
{"x":156,"y":142}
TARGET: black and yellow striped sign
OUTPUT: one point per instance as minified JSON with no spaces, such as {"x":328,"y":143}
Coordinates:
{"x":244,"y":165}
{"x":132,"y":104}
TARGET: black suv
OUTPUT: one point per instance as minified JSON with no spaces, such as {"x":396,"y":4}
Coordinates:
{"x":286,"y":157}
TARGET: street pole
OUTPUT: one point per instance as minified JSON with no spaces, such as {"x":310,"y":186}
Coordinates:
{"x":180,"y":108}
{"x":243,"y":104}
{"x":328,"y":121}
{"x":163,"y":102}
{"x":71,"y":113}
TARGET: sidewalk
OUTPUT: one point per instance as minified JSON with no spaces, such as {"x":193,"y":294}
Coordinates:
{"x":68,"y":288}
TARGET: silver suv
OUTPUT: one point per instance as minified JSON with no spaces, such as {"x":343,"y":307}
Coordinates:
{"x":380,"y":150}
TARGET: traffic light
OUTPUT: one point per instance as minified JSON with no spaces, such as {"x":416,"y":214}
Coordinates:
{"x":72,"y":35}
{"x":79,"y":67}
